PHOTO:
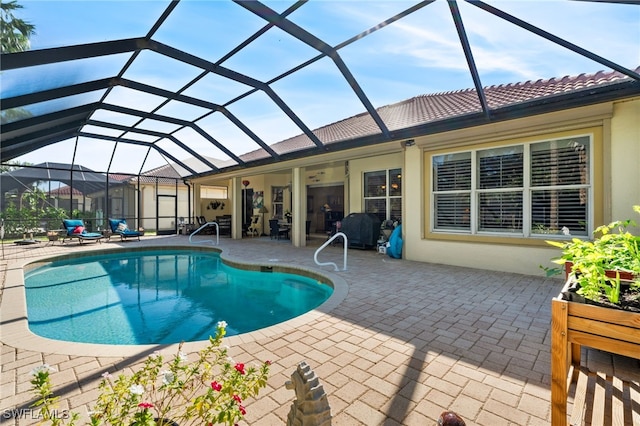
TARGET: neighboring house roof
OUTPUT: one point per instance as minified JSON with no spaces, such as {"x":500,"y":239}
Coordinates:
{"x":64,"y":190}
{"x":167,"y":174}
{"x":160,"y":175}
{"x":119,"y":177}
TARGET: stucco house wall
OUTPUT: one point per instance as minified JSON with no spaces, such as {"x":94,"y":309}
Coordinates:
{"x":358,"y":167}
{"x":616,"y":184}
{"x":614,"y":171}
{"x":625,"y":159}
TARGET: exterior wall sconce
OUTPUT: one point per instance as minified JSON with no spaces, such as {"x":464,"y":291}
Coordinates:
{"x":408,"y":142}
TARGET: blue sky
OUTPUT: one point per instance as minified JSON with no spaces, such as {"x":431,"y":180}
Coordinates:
{"x":419,"y":54}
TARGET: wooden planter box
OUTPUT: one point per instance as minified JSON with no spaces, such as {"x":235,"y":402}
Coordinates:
{"x":576,"y":324}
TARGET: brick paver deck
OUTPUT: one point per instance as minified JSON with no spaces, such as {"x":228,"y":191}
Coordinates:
{"x":408,"y":341}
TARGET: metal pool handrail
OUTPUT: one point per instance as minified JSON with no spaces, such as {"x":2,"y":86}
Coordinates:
{"x":204,"y":226}
{"x":344,"y":239}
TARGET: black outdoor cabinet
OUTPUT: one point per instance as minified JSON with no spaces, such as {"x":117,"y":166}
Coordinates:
{"x":362,"y":230}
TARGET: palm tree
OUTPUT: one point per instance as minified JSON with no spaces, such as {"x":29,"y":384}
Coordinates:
{"x":14,"y":33}
{"x":10,"y":166}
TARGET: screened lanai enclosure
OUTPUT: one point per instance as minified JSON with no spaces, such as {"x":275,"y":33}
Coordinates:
{"x":119,"y":106}
{"x":36,"y":198}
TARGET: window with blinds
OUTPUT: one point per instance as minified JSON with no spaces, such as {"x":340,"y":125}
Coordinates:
{"x":213,"y":192}
{"x":560,"y":186}
{"x":500,"y":189}
{"x":525,"y":190}
{"x":452,"y":191}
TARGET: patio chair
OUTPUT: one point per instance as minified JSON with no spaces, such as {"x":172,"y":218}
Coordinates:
{"x":254,"y":228}
{"x":120,"y":227}
{"x":76,"y":230}
{"x":277,"y":230}
{"x":203,"y":221}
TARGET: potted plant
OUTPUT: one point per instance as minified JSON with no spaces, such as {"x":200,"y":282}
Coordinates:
{"x":604,"y":271}
{"x":208,"y":390}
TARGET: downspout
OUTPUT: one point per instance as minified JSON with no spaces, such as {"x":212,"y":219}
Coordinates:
{"x":139,"y":202}
{"x":155,"y":197}
{"x":188,"y":185}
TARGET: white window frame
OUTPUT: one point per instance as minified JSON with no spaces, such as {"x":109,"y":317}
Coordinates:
{"x":526,"y":189}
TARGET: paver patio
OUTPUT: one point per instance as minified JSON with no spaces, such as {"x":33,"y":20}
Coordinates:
{"x":408,"y":341}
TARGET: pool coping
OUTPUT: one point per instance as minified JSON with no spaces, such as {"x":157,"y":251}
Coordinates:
{"x":15,"y":330}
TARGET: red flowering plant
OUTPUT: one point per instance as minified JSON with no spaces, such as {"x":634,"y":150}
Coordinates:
{"x":209,"y":390}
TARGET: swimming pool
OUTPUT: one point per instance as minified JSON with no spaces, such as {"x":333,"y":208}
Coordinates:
{"x":160,"y":296}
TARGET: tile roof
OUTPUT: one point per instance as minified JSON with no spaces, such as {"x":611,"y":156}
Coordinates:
{"x":119,"y":177}
{"x":64,"y":190}
{"x":440,"y":106}
{"x":164,"y":174}
{"x":424,"y":109}
{"x":167,"y":174}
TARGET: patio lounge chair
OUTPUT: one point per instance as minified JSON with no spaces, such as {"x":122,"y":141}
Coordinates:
{"x":202,"y":221}
{"x":76,"y":229}
{"x":119,"y":227}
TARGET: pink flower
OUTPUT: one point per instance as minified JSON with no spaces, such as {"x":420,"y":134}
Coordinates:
{"x":145,"y":405}
{"x":216,"y":386}
{"x":239,"y":367}
{"x":237,"y":399}
{"x":267,"y":362}
{"x":242,"y":410}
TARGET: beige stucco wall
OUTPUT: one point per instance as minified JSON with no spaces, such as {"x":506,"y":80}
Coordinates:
{"x":616,"y":181}
{"x":148,"y":206}
{"x":625,"y":160}
{"x":615,"y":186}
{"x":210,"y":213}
{"x":358,"y":167}
{"x":201,"y":204}
{"x":333,"y":174}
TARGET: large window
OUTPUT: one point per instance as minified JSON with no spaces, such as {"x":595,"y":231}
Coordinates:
{"x":524,"y":190}
{"x":383,"y":194}
{"x":213,"y":192}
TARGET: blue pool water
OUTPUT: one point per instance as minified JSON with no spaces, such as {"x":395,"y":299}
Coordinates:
{"x":160,"y":297}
